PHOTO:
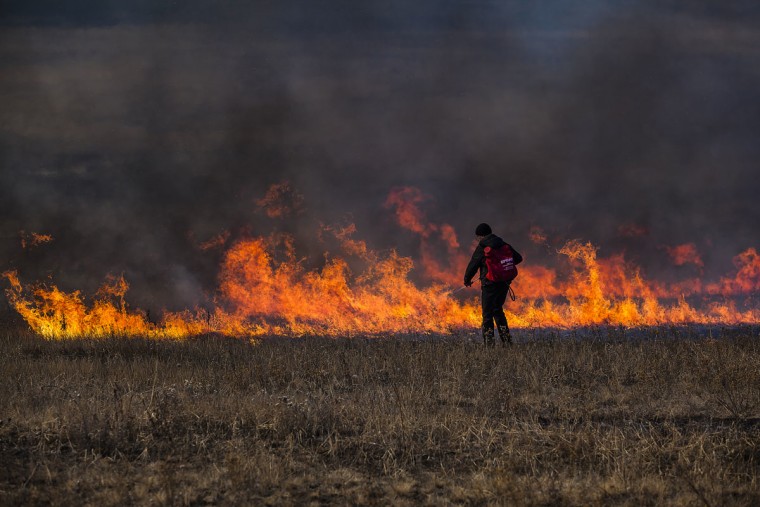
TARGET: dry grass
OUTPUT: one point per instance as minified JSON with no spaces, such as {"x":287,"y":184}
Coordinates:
{"x":665,"y":419}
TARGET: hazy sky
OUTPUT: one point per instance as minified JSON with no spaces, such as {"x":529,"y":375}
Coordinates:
{"x":131,"y":131}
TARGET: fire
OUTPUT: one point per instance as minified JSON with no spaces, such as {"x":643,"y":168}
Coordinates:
{"x":217,"y":241}
{"x":55,"y":314}
{"x":33,"y":239}
{"x":612,"y":292}
{"x":281,"y":297}
{"x":281,"y":200}
{"x":266,"y":288}
{"x":405,"y":201}
{"x":685,"y":254}
{"x":434,"y":237}
{"x":747,"y":278}
{"x":348,"y":244}
{"x":538,"y":236}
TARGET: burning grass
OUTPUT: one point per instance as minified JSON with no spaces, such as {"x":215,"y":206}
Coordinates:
{"x":672,"y":417}
{"x":266,"y":287}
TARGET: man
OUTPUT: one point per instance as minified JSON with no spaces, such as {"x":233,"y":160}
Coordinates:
{"x":496,"y":261}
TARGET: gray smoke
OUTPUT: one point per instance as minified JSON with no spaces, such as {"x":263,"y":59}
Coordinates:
{"x":134,"y":133}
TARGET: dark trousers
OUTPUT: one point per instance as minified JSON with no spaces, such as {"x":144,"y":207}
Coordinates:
{"x":493,"y":296}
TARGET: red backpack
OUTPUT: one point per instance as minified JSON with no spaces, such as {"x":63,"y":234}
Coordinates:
{"x":500,"y":263}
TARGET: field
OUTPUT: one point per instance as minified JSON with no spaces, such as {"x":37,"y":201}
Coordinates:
{"x":615,"y":418}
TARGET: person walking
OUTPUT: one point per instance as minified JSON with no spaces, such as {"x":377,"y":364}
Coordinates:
{"x":496,"y":261}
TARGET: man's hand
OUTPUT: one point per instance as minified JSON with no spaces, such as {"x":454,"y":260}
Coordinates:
{"x":468,"y":283}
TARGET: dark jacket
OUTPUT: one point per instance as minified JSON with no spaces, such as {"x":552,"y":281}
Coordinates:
{"x":479,"y":258}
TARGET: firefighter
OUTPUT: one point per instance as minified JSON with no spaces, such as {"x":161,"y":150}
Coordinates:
{"x":496,"y":261}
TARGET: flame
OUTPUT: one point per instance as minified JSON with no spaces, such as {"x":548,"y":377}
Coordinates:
{"x":612,"y":292}
{"x":538,"y":236}
{"x":265,"y":288}
{"x":405,"y":202}
{"x":685,"y":254}
{"x":217,"y":241}
{"x":747,"y":278}
{"x":434,"y":238}
{"x":348,"y":244}
{"x":281,"y":200}
{"x":55,"y":314}
{"x":282,"y":297}
{"x":33,"y":239}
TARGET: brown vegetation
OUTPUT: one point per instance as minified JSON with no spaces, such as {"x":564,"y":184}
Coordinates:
{"x":668,"y":418}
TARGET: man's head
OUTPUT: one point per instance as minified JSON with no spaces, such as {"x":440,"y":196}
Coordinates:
{"x":482,"y":230}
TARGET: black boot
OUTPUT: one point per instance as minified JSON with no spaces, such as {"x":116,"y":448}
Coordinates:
{"x":488,"y":338}
{"x":506,"y":338}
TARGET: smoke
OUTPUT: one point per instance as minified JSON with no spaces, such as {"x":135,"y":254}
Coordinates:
{"x":134,"y":135}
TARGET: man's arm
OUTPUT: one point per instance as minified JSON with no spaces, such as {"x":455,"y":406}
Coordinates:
{"x":474,"y":265}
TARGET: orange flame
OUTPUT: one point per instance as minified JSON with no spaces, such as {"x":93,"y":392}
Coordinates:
{"x":347,"y":243}
{"x":217,"y":241}
{"x":538,"y":236}
{"x":281,"y":297}
{"x":281,"y":200}
{"x":55,"y":314}
{"x":405,"y":200}
{"x":33,"y":239}
{"x":433,"y":237}
{"x":685,"y":254}
{"x":747,"y":278}
{"x":265,"y":288}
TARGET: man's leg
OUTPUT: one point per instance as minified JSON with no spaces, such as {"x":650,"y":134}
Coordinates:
{"x":499,"y":317}
{"x":504,"y":334}
{"x":487,"y":302}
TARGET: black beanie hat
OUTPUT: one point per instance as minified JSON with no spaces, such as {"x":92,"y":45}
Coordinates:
{"x":483,"y":230}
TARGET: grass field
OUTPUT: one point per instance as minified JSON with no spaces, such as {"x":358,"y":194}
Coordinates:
{"x":665,"y":418}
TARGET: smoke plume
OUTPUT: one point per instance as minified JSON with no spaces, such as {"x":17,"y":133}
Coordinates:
{"x":145,"y":137}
